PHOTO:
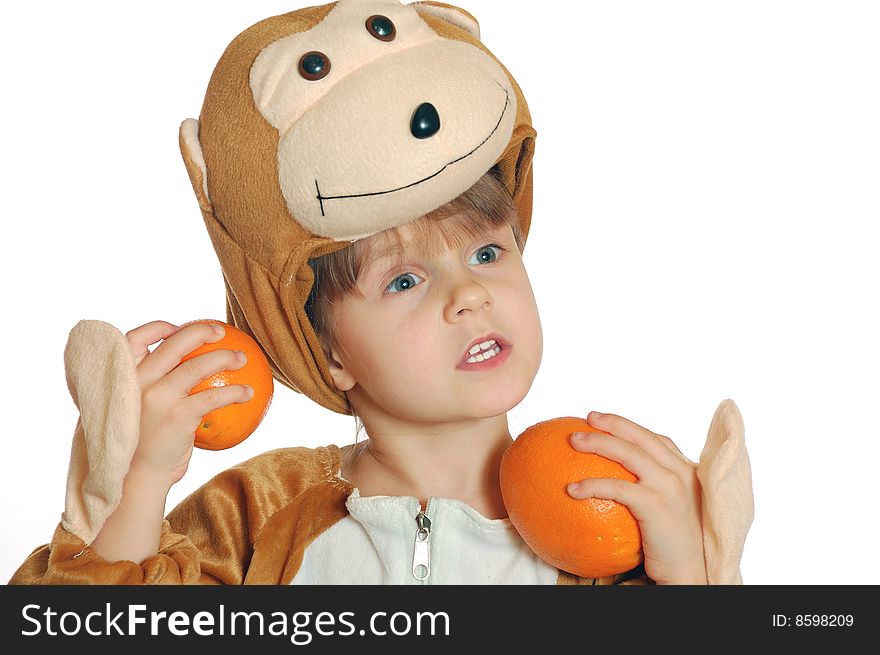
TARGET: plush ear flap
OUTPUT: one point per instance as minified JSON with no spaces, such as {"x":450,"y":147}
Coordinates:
{"x":191,"y":149}
{"x":728,"y":505}
{"x":455,"y":15}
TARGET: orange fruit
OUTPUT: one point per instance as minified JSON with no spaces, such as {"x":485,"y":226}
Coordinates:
{"x":228,"y":426}
{"x":592,"y":537}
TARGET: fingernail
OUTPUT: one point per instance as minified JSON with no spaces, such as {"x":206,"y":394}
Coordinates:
{"x":596,"y":415}
{"x":241,"y":356}
{"x":572,"y":488}
{"x":578,"y":436}
{"x":218,"y":329}
{"x":248,"y":391}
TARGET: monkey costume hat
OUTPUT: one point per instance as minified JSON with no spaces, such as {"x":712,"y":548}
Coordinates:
{"x":331,"y":124}
{"x":320,"y":127}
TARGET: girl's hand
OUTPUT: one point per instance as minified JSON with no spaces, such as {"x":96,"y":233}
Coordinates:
{"x":169,"y":415}
{"x":665,"y":499}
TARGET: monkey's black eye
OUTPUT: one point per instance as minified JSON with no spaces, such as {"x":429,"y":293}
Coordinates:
{"x":314,"y":65}
{"x":381,"y":27}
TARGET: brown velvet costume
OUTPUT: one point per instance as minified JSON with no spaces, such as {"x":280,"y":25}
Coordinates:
{"x":285,"y":498}
{"x":264,"y":161}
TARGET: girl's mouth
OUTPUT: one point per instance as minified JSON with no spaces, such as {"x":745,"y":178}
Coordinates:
{"x":485,"y":353}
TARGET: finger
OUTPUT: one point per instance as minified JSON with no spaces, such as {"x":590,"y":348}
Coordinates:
{"x":185,"y":376}
{"x":663,"y":449}
{"x":622,"y":491}
{"x":142,"y":337}
{"x":201,"y":403}
{"x":168,"y":354}
{"x":629,"y":455}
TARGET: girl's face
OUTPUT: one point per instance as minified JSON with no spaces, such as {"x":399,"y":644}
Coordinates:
{"x":441,"y":333}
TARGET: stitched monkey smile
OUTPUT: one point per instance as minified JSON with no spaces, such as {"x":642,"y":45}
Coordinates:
{"x":321,"y":198}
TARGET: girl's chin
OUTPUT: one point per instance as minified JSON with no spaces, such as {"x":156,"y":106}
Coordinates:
{"x":462,"y":404}
{"x":463,"y":410}
{"x":498,"y":402}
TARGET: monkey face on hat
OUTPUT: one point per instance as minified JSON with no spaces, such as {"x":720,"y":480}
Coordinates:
{"x":333,"y":123}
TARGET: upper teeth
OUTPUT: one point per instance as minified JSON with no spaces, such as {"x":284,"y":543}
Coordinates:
{"x":489,"y":347}
{"x":481,"y":346}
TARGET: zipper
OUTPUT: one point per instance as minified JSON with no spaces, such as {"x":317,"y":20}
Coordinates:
{"x":421,"y":564}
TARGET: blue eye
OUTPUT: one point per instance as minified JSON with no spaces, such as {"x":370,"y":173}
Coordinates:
{"x":403,"y":282}
{"x":486,"y":254}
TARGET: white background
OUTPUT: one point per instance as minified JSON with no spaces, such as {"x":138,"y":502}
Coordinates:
{"x":706,"y":204}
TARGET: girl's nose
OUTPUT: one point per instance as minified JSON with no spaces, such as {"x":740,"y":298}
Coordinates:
{"x":467,"y":295}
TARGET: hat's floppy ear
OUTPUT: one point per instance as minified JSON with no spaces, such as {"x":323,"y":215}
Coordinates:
{"x":194,"y":160}
{"x":455,"y":15}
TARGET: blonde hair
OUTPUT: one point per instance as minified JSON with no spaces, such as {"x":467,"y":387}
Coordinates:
{"x":487,"y":202}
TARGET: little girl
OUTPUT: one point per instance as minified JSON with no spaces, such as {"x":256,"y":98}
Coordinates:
{"x":378,"y":263}
{"x":433,"y":333}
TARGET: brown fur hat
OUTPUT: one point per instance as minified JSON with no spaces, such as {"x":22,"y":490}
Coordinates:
{"x":332,"y":123}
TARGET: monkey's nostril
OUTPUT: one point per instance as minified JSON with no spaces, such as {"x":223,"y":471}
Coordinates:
{"x":425,"y":121}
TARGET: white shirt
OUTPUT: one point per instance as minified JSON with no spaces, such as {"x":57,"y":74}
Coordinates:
{"x":377,"y":544}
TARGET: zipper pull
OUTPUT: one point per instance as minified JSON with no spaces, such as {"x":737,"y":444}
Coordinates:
{"x":421,"y":566}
